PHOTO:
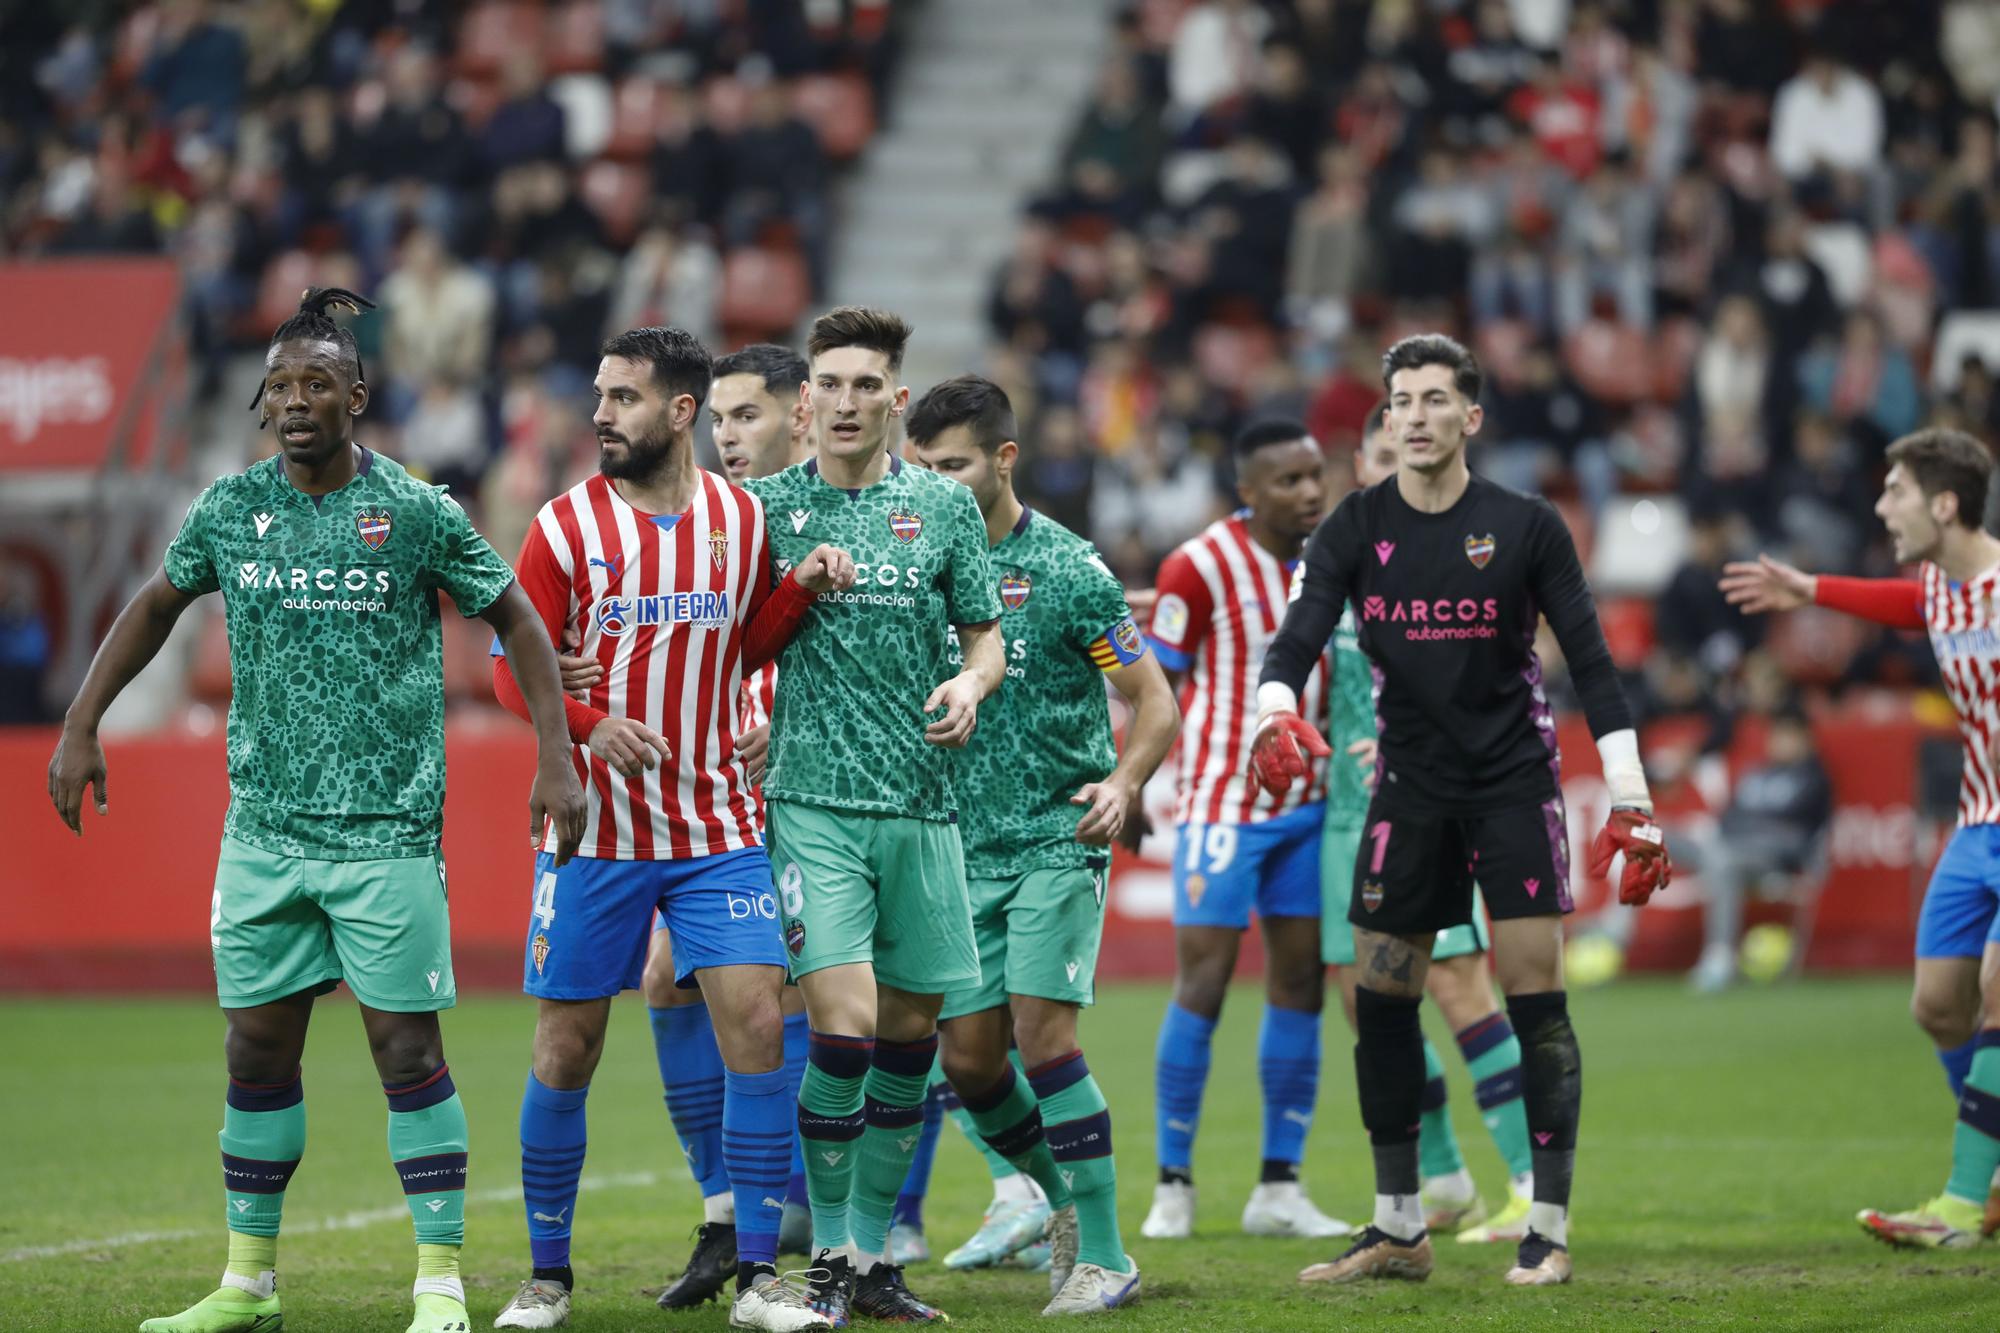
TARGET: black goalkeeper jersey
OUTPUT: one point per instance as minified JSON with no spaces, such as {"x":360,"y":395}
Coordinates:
{"x":1447,"y":606}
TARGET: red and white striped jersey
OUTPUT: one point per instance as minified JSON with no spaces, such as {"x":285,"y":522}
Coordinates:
{"x":661,"y":601}
{"x":1221,"y":600}
{"x":1964,"y":624}
{"x":753,"y":710}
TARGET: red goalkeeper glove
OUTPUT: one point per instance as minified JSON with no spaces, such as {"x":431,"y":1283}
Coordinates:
{"x":1648,"y":868}
{"x":1276,"y":757}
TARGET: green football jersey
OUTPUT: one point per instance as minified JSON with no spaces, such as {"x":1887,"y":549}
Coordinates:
{"x":847,"y":728}
{"x":336,"y":659}
{"x":1048,"y":731}
{"x":1350,"y":719}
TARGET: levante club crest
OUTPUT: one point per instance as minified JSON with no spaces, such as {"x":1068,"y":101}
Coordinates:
{"x":906,"y":527}
{"x":718,"y":546}
{"x":1014,"y":590}
{"x":373,"y":527}
{"x":1479,"y":550}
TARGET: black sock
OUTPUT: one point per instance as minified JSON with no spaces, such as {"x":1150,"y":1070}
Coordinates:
{"x":1177,"y":1175}
{"x":1389,"y":1075}
{"x":562,"y":1275}
{"x":747,"y":1273}
{"x":1278,"y":1173}
{"x":1551,"y":1088}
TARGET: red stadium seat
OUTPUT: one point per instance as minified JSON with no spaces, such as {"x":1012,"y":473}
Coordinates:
{"x":491,"y":33}
{"x":1231,"y":356}
{"x":1628,"y":629}
{"x":763,"y":292}
{"x":840,"y":109}
{"x":617,"y":193}
{"x":208,"y":679}
{"x":1611,"y":362}
{"x":1814,"y":645}
{"x":286,"y":278}
{"x":576,"y":38}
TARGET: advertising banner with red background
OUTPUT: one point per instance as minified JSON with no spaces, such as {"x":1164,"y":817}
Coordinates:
{"x":125,"y":907}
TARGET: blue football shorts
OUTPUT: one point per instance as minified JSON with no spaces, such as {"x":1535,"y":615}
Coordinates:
{"x":1222,"y":871}
{"x":1961,"y":913}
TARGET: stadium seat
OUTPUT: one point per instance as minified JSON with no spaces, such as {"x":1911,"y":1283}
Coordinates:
{"x":491,"y":33}
{"x":617,"y":193}
{"x":1641,"y":541}
{"x":208,"y":677}
{"x":1964,"y":333}
{"x":1628,"y":629}
{"x":840,"y":109}
{"x":1231,"y":356}
{"x":763,"y":292}
{"x":1813,"y":646}
{"x":285,"y":279}
{"x":1610,"y":362}
{"x":576,"y":38}
{"x":1905,"y":291}
{"x":1675,"y":347}
{"x":1582,"y":531}
{"x":1842,"y":250}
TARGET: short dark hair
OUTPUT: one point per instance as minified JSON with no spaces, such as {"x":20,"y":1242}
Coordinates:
{"x":860,"y":326}
{"x":1941,"y":459}
{"x":1377,"y":418}
{"x":313,"y":323}
{"x":972,"y":401}
{"x":1435,"y":349}
{"x":1265,"y":432}
{"x":782,"y":369}
{"x":680,"y":363}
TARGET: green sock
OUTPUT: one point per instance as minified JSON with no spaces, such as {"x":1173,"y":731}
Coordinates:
{"x":1010,"y":1121}
{"x":263,"y":1136}
{"x":1079,"y":1137}
{"x":427,"y":1142}
{"x":1493,"y":1053}
{"x":830,"y":1128}
{"x":1975,"y":1144}
{"x":1437,"y":1143}
{"x":898,"y":1077}
{"x":996,"y":1166}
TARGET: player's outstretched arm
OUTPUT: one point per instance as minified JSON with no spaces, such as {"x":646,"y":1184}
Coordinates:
{"x":775,"y":619}
{"x":135,"y":639}
{"x":985,"y":667}
{"x":556,"y":794}
{"x":1772,"y":585}
{"x":1285,"y":744}
{"x":1115,"y":804}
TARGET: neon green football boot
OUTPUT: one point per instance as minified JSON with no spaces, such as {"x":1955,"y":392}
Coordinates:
{"x":1509,"y":1225}
{"x":224,"y":1310}
{"x":440,"y":1314}
{"x":1944,"y":1223}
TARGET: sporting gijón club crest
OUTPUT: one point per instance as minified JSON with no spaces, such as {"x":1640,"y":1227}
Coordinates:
{"x":373,"y":525}
{"x":905,"y":526}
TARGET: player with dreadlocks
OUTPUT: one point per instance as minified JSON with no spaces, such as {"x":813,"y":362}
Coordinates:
{"x":330,"y":559}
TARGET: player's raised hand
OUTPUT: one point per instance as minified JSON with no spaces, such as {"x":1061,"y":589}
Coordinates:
{"x":1111,"y":806}
{"x":629,"y":746}
{"x":77,"y":763}
{"x":579,"y":674}
{"x":1764,"y":585}
{"x":959,"y":697}
{"x":1648,"y":867}
{"x":557,"y":797}
{"x":755,"y":747}
{"x":1283,"y":752}
{"x":825,"y":569}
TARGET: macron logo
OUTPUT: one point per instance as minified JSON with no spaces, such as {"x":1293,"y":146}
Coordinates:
{"x":1383,"y":550}
{"x":263,"y":523}
{"x":432,"y":977}
{"x":435,"y":1204}
{"x":1071,"y":968}
{"x":800,"y":517}
{"x":242,"y":1205}
{"x":832,"y":1158}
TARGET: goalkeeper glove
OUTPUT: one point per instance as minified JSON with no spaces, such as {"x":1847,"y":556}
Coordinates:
{"x":1276,"y":757}
{"x":1648,"y":868}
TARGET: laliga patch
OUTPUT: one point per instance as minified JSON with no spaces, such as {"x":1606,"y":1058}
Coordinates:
{"x":1014,"y":590}
{"x":718,"y":546}
{"x":372,"y":526}
{"x":541,"y":951}
{"x":795,"y":938}
{"x":1479,"y":550}
{"x":904,"y":526}
{"x":1371,"y":895}
{"x":1170,"y":620}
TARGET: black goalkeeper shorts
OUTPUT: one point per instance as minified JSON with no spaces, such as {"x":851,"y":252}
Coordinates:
{"x":1415,"y":873}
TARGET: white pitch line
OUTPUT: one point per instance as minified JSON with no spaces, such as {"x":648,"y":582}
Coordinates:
{"x":352,"y":1221}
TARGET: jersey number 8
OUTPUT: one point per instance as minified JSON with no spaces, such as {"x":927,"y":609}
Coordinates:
{"x":792,"y":888}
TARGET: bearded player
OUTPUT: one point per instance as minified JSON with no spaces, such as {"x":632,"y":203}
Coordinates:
{"x":1931,"y":504}
{"x":1043,"y":793}
{"x":330,"y":559}
{"x":664,"y":571}
{"x":1450,"y":575}
{"x":859,"y":793}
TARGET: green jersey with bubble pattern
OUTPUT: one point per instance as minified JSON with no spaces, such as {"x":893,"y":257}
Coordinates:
{"x":1351,"y":719}
{"x":847,"y":728}
{"x":336,"y":710}
{"x":1064,"y":623}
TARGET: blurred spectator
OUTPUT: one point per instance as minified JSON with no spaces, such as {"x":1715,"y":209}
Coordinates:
{"x":1331,"y":254}
{"x":444,"y":436}
{"x":439,"y":320}
{"x":777,"y":176}
{"x":24,"y":645}
{"x":1035,"y":304}
{"x":1113,"y":153}
{"x":1214,"y":55}
{"x":529,"y":125}
{"x":667,"y":277}
{"x":1744,"y":45}
{"x":1058,"y":474}
{"x":1605,"y":247}
{"x":1826,"y":119}
{"x":1563,"y":115}
{"x":1824,"y":502}
{"x":195,"y":70}
{"x":1285,"y":108}
{"x":1695,"y":622}
{"x":1863,"y":379}
{"x":1733,"y":382}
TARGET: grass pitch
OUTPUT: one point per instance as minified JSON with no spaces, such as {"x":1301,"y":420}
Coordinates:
{"x":1726,"y":1146}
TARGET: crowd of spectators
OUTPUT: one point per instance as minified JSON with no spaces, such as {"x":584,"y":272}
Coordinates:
{"x":510,"y":180}
{"x":1704,"y":249}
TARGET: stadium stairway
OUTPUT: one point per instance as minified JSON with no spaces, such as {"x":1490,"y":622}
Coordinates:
{"x":983,"y":99}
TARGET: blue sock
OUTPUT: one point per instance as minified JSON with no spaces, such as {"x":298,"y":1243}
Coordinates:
{"x":552,"y":1142}
{"x":1180,"y":1075}
{"x":1288,"y":1068}
{"x":910,"y":1203}
{"x":759,"y":1125}
{"x":1957,"y":1064}
{"x":691,"y":1073}
{"x":797,"y":1036}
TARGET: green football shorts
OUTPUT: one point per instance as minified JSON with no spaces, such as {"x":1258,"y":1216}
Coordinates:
{"x":1339,"y":848}
{"x":1038,"y":934}
{"x":889,"y":890}
{"x":284,"y":924}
